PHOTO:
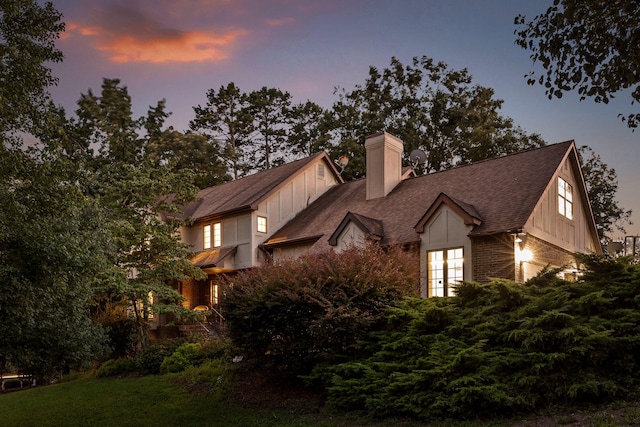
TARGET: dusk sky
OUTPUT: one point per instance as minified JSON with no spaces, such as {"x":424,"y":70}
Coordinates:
{"x":178,"y":49}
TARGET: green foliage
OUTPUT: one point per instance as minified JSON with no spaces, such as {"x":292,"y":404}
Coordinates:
{"x":429,"y":106}
{"x":212,"y":378}
{"x":299,"y":311}
{"x":499,"y":348}
{"x":115,"y":367}
{"x":602,"y":186}
{"x":28,"y":31}
{"x":182,"y":358}
{"x":590,"y":46}
{"x":151,"y":357}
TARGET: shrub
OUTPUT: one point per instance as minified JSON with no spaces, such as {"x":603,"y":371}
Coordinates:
{"x":297,"y":312}
{"x":114,"y":367}
{"x":212,"y":378}
{"x":499,"y":348}
{"x":150,"y":358}
{"x":185,"y":356}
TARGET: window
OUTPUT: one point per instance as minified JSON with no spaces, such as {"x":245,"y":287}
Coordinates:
{"x":262,"y":224}
{"x":217,"y":235}
{"x":207,"y":237}
{"x":213,"y":294}
{"x":320,"y":171}
{"x":565,"y":198}
{"x":445,"y":269}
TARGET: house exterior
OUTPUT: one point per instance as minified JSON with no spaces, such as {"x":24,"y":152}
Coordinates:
{"x":230,"y":222}
{"x":502,"y":218}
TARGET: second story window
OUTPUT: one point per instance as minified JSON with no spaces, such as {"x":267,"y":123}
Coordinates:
{"x":207,"y":237}
{"x":262,"y":224}
{"x":565,"y":198}
{"x":217,"y":235}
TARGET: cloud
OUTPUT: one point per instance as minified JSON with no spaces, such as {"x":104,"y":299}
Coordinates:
{"x":280,"y":22}
{"x":127,"y":34}
{"x":181,"y":47}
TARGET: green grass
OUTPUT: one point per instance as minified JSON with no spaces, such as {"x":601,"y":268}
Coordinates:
{"x":159,"y":401}
{"x":143,"y":401}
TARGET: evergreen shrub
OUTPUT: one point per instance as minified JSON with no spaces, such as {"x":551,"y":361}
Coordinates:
{"x":498,"y":348}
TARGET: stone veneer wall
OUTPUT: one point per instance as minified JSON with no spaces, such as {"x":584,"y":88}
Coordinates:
{"x":492,"y":257}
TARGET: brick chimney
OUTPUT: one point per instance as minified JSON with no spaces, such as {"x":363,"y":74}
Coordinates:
{"x":384,"y":164}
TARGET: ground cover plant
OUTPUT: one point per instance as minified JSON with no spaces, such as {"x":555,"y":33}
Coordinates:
{"x":499,"y":348}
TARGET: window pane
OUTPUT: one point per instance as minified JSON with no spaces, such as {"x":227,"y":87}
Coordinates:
{"x":436,"y":273}
{"x":207,"y":237}
{"x":217,"y":235}
{"x":262,"y":224}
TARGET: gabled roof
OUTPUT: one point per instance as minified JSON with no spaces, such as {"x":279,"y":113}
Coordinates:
{"x":246,"y":193}
{"x":467,"y":212}
{"x":370,"y":226}
{"x":497,"y":195}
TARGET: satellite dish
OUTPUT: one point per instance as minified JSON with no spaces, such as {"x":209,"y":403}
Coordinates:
{"x":614,"y":247}
{"x":417,"y":157}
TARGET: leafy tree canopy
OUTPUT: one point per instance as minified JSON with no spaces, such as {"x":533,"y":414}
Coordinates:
{"x":602,"y":186}
{"x":591,"y":46}
{"x":28,"y":33}
{"x":430,"y":107}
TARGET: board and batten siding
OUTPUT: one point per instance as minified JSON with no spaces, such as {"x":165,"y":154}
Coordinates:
{"x":548,"y":224}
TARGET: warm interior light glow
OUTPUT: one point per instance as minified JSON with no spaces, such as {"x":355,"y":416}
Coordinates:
{"x":524,"y":255}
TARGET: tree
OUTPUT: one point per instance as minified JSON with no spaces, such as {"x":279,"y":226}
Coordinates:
{"x":270,"y":109}
{"x":591,"y":46}
{"x":52,"y":245}
{"x":226,"y":122}
{"x":602,"y":186}
{"x":28,"y":33}
{"x":132,"y":187}
{"x":306,"y":133}
{"x":429,"y":107}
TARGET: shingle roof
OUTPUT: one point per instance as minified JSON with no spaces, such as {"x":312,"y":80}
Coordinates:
{"x":244,"y":193}
{"x":503,"y":192}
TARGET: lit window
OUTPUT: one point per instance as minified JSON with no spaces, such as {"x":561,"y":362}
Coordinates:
{"x":217,"y":235}
{"x":213,"y":294}
{"x":445,"y":269}
{"x":207,"y":237}
{"x":565,"y":198}
{"x":262,"y":224}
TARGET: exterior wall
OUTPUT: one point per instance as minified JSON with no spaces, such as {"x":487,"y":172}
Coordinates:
{"x":444,"y":230}
{"x":289,"y":200}
{"x":493,"y":257}
{"x":351,"y":236}
{"x":292,"y":251}
{"x":193,"y":291}
{"x":543,"y":254}
{"x":548,"y":224}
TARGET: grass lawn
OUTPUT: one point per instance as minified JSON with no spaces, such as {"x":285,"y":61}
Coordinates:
{"x":135,"y":401}
{"x":159,"y":401}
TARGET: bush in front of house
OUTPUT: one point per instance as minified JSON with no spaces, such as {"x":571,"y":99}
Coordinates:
{"x":185,"y":356}
{"x":499,"y":348}
{"x":115,"y":367}
{"x":297,"y":312}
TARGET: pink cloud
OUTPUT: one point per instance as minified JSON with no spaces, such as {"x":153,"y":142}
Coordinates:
{"x":183,"y":47}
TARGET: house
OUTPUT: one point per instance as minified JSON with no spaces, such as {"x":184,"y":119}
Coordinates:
{"x":230,"y":222}
{"x":502,"y":218}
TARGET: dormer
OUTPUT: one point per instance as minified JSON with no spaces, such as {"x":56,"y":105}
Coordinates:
{"x":384,"y":164}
